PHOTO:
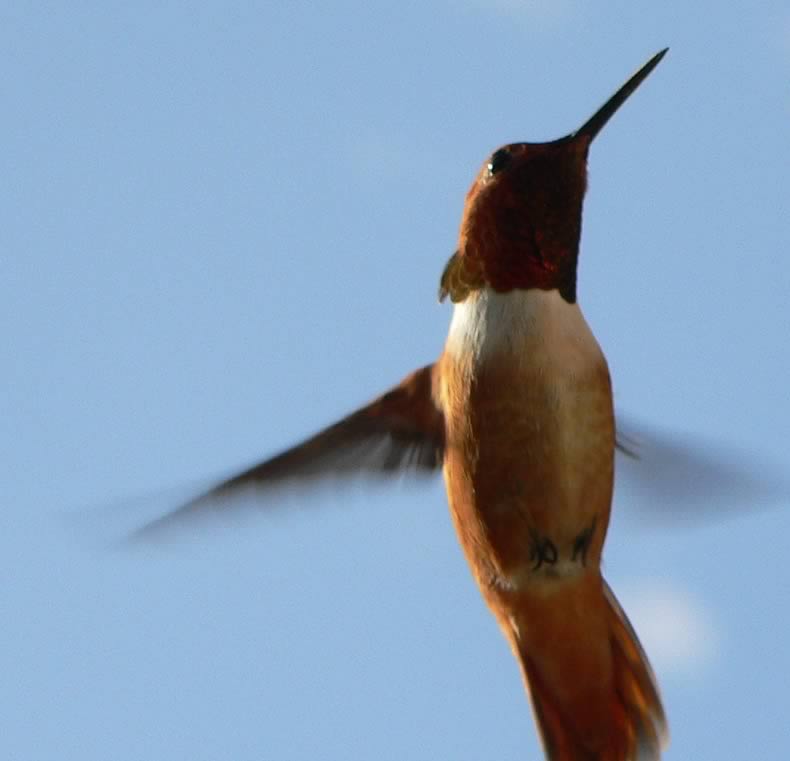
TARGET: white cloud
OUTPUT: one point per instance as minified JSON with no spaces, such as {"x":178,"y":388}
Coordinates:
{"x":677,"y":632}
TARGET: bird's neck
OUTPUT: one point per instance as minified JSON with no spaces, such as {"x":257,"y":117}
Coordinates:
{"x":532,"y":327}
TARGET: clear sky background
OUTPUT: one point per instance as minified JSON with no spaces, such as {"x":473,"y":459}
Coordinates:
{"x":222,"y":227}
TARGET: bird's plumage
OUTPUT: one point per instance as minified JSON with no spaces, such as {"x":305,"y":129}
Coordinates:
{"x":518,"y":412}
{"x":401,"y":431}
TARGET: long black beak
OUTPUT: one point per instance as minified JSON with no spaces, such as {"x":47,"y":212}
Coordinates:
{"x":596,"y":122}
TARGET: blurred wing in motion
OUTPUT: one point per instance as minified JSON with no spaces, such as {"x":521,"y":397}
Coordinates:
{"x":686,"y":478}
{"x":401,"y":431}
{"x":670,"y":477}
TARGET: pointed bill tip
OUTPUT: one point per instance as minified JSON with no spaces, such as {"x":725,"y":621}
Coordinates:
{"x":597,"y":121}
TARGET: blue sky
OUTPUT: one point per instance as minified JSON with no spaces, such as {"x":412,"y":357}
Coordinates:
{"x":223,"y":227}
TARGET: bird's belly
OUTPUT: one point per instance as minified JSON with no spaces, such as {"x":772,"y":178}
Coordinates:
{"x":529,"y":477}
{"x":530,"y":459}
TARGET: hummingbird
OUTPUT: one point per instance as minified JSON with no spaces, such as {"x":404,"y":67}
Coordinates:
{"x":517,"y":411}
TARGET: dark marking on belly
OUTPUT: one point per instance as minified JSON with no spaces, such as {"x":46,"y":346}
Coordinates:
{"x":544,"y":554}
{"x":582,"y":543}
{"x":543,"y":551}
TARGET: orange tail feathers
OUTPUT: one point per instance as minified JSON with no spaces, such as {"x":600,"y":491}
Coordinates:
{"x":593,"y":692}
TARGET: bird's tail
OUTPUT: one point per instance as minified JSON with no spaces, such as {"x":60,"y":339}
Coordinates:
{"x":592,"y":689}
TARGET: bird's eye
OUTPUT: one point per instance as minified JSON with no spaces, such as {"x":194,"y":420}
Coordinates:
{"x":498,"y":161}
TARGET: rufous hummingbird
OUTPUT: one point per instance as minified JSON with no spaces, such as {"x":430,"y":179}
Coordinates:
{"x":518,"y":412}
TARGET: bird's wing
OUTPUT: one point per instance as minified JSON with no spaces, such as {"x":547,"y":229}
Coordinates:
{"x":671,"y":476}
{"x":400,"y":431}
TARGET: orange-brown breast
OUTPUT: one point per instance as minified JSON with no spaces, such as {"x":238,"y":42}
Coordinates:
{"x":530,"y":438}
